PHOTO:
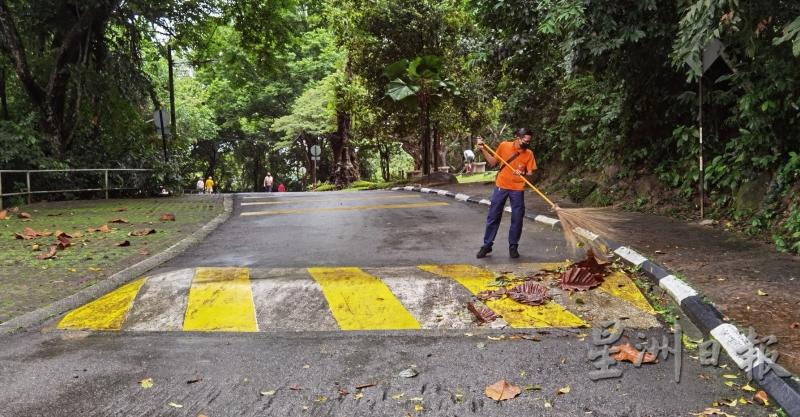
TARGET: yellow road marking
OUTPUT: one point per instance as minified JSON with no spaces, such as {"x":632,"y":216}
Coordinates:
{"x":306,"y":200}
{"x":619,"y":285}
{"x":220,"y":299}
{"x":347,"y":208}
{"x":515,"y":314}
{"x":360,"y":301}
{"x":105,"y":313}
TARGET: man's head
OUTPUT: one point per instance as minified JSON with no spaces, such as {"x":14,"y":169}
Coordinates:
{"x":524,"y":135}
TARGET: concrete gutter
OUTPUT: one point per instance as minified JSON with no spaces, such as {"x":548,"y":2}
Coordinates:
{"x":33,"y":318}
{"x":700,"y":311}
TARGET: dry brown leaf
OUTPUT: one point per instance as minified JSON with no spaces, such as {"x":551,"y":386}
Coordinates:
{"x":121,"y":209}
{"x":491,"y":295}
{"x":712,"y":412}
{"x":530,"y":293}
{"x":118,"y":220}
{"x":371,"y":384}
{"x":63,"y":241}
{"x":295,"y":387}
{"x":761,"y":398}
{"x":24,"y":215}
{"x":629,"y":353}
{"x":124,"y":243}
{"x":13,"y":210}
{"x":483,"y":314}
{"x":77,"y":235}
{"x":3,"y":214}
{"x":502,"y":390}
{"x":51,"y":252}
{"x":167,"y":217}
{"x":144,"y":252}
{"x":142,"y":232}
{"x":591,"y":263}
{"x":579,"y":279}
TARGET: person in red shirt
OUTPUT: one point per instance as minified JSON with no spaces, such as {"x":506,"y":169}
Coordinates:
{"x":509,"y":185}
{"x":281,"y":188}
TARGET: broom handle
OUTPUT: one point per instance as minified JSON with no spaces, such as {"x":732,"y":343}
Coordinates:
{"x":489,"y":148}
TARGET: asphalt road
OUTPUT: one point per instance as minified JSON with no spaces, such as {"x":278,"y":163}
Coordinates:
{"x":55,"y":372}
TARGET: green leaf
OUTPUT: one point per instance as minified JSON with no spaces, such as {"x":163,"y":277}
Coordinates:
{"x":398,"y":90}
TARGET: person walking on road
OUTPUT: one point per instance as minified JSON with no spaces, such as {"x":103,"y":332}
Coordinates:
{"x":268,"y":183}
{"x":508,"y":185}
{"x":210,"y":185}
{"x":200,"y":186}
{"x":281,"y":188}
{"x":469,"y":158}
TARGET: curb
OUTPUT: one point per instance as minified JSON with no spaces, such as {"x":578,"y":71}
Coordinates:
{"x":27,"y":320}
{"x":704,"y":315}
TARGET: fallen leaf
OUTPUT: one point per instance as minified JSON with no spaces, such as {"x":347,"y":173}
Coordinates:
{"x":761,"y":398}
{"x":124,"y":243}
{"x":121,"y":209}
{"x":321,"y":399}
{"x":144,"y":252}
{"x":748,"y":388}
{"x":730,"y":376}
{"x":533,"y":387}
{"x":167,"y":217}
{"x":193,"y":381}
{"x":142,"y":232}
{"x":486,"y":295}
{"x":563,"y":390}
{"x":525,"y":336}
{"x":176,"y":405}
{"x":92,"y":269}
{"x":418,"y":407}
{"x":408,"y":373}
{"x":530,"y":293}
{"x":629,"y":353}
{"x":365,"y":385}
{"x":306,"y":366}
{"x":76,"y":235}
{"x":35,"y":247}
{"x":13,"y":210}
{"x":3,"y":214}
{"x":761,"y":293}
{"x":591,"y":264}
{"x":24,"y":215}
{"x":295,"y":387}
{"x":146,"y":383}
{"x":398,"y":396}
{"x":358,"y":395}
{"x":51,"y":252}
{"x":267,"y":393}
{"x":502,"y":390}
{"x":547,"y":404}
{"x":660,"y":252}
{"x":63,"y":241}
{"x":118,"y":220}
{"x":501,"y":337}
{"x":579,"y":279}
{"x":483,"y":314}
{"x":343,"y":392}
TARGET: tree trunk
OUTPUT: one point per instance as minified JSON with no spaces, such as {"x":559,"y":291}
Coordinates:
{"x":437,"y":160}
{"x":256,"y":167}
{"x":426,"y":141}
{"x":3,"y":97}
{"x":343,"y":172}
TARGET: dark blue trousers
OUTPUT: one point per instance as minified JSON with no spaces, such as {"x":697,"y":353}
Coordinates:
{"x":499,"y":196}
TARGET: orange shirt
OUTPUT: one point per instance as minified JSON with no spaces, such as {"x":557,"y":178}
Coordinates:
{"x":524,"y":162}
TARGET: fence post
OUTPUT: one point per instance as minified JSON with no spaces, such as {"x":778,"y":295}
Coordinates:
{"x":106,"y":172}
{"x":28,"y":181}
{"x":1,"y":190}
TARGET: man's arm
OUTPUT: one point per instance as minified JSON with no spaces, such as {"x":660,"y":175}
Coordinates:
{"x":491,"y":160}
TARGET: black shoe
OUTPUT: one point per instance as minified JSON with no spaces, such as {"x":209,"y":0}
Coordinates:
{"x":512,"y":252}
{"x":483,"y":251}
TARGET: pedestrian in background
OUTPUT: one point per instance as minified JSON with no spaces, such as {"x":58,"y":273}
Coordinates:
{"x":509,"y":184}
{"x":209,"y":185}
{"x":200,"y":186}
{"x":469,"y":158}
{"x":281,"y":188}
{"x":268,"y":183}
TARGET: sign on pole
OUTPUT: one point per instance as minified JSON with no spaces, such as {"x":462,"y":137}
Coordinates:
{"x":316,"y":151}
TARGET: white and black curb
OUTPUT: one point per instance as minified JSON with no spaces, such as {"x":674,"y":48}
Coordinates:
{"x":703,"y":314}
{"x":130,"y":273}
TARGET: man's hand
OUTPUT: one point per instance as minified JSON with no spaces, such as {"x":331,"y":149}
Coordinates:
{"x":479,"y":142}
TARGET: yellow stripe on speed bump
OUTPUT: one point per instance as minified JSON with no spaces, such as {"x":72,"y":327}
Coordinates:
{"x":619,"y":285}
{"x":360,"y":301}
{"x":220,"y":299}
{"x":517,"y":315}
{"x":344,"y":208}
{"x":105,"y":313}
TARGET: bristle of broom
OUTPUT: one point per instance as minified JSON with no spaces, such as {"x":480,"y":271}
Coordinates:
{"x":575,"y":222}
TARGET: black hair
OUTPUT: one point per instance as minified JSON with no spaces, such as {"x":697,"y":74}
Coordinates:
{"x":523,"y":131}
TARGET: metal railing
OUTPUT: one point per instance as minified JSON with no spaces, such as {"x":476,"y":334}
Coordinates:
{"x":30,"y":192}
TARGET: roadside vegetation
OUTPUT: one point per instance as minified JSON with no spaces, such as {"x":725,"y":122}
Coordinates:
{"x":385,"y":88}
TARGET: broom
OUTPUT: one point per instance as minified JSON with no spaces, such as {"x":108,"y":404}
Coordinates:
{"x":574,"y":221}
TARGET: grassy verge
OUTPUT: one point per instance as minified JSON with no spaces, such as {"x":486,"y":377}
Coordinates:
{"x":480,"y":177}
{"x":27,"y":283}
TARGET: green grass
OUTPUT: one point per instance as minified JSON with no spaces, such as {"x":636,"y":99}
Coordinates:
{"x":27,"y":283}
{"x":480,"y":177}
